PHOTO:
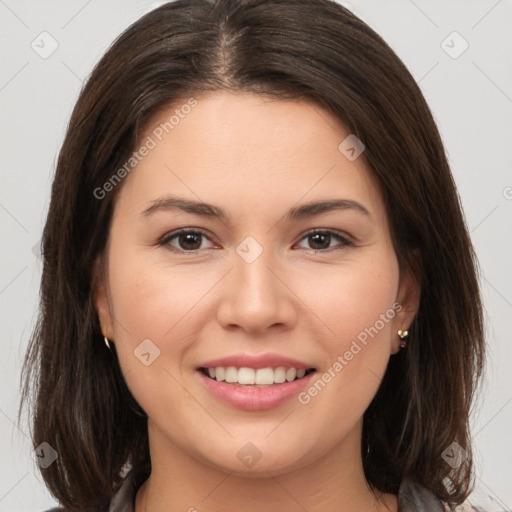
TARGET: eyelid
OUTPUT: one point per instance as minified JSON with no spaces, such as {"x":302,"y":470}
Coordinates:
{"x":164,"y":240}
{"x":341,"y":236}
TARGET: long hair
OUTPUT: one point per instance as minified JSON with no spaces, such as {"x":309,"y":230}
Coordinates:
{"x":284,"y":49}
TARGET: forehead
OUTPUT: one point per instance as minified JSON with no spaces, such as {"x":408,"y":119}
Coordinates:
{"x":247,"y":150}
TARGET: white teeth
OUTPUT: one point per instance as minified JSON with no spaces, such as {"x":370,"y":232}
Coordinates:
{"x":280,"y":375}
{"x":259,"y":377}
{"x":264,"y":376}
{"x":246,"y":376}
{"x":231,"y":374}
{"x":291,"y":373}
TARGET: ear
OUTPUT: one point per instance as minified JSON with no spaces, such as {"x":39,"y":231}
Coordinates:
{"x":409,"y":292}
{"x":100,"y":297}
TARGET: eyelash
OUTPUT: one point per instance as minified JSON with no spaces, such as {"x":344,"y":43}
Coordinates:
{"x":165,"y":240}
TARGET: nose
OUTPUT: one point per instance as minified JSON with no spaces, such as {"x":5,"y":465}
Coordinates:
{"x":255,"y":296}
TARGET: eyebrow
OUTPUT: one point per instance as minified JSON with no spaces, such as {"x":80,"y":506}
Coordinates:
{"x":296,"y":213}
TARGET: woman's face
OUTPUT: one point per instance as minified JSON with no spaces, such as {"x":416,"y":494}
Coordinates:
{"x":254,"y":287}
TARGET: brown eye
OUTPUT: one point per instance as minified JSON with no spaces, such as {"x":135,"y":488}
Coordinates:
{"x":321,"y":240}
{"x":186,"y":240}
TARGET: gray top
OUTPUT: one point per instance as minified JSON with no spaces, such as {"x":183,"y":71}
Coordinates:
{"x":411,"y":498}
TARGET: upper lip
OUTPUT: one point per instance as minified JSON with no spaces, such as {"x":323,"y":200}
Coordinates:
{"x":261,"y":361}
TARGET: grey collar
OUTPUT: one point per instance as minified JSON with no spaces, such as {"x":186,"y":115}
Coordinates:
{"x":413,"y":497}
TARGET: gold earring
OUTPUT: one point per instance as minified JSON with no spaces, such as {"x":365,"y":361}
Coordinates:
{"x":402,"y":335}
{"x":107,"y":343}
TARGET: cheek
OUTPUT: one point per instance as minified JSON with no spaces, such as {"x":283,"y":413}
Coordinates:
{"x":153,"y":301}
{"x":152,"y":297}
{"x":152,"y":327}
{"x":350,"y":299}
{"x":358,"y":306}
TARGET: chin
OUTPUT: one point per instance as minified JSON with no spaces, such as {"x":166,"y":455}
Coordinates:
{"x":252,"y":459}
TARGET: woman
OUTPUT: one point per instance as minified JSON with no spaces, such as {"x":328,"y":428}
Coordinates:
{"x":258,"y":289}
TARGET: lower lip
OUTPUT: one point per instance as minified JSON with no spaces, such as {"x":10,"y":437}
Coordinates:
{"x":253,"y":398}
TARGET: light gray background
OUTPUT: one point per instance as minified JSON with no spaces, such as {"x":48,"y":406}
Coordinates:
{"x":470,"y":96}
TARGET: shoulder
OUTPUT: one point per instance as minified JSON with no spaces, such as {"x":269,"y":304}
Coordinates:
{"x":413,"y":497}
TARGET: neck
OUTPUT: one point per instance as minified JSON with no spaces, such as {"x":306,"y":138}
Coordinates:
{"x":334,"y":481}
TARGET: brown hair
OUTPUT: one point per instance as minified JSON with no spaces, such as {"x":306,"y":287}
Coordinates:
{"x":289,"y":49}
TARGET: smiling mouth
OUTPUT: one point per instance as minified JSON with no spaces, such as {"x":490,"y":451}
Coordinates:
{"x":257,"y":378}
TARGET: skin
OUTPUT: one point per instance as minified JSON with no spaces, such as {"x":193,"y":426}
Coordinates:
{"x":255,"y":158}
